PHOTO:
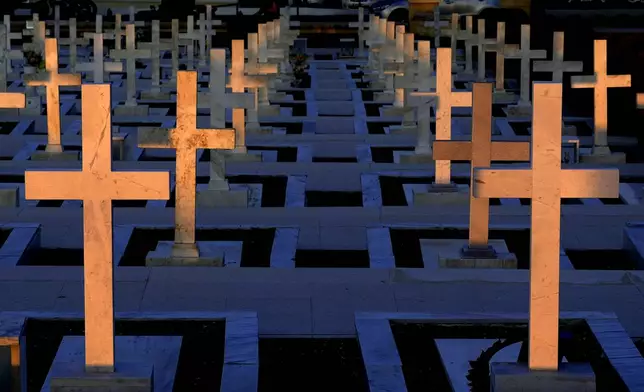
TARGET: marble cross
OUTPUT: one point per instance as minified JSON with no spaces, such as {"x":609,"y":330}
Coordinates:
{"x":99,"y":67}
{"x":446,"y":100}
{"x":188,"y":39}
{"x":471,"y":40}
{"x":557,"y":66}
{"x":52,"y":80}
{"x":481,"y":151}
{"x":218,"y":100}
{"x":117,"y":33}
{"x":526,"y":55}
{"x":38,"y":38}
{"x":155,"y":47}
{"x":6,"y":55}
{"x":202,"y":40}
{"x":454,"y":34}
{"x":186,"y":139}
{"x":601,"y":82}
{"x":206,"y":27}
{"x":481,"y":46}
{"x":11,"y":54}
{"x":546,"y":184}
{"x":97,"y":185}
{"x":130,"y":55}
{"x":360,"y":25}
{"x":57,"y":22}
{"x":73,"y":41}
{"x":423,"y":99}
{"x":500,"y":48}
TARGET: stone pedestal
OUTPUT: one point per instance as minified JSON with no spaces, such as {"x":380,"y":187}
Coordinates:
{"x":268,"y":111}
{"x":55,"y":156}
{"x":604,"y":156}
{"x":9,"y":195}
{"x":211,"y":198}
{"x":278,"y":96}
{"x":156,"y":95}
{"x":403,"y":129}
{"x":33,"y":106}
{"x":118,"y":146}
{"x":439,"y":194}
{"x":521,"y":110}
{"x":256,"y":128}
{"x":504,"y":96}
{"x":242,"y":157}
{"x":395,"y":111}
{"x":460,"y":255}
{"x":138,"y":110}
{"x":512,"y":377}
{"x":202,"y":254}
{"x":131,"y":377}
{"x":384,"y":97}
{"x":412,"y":158}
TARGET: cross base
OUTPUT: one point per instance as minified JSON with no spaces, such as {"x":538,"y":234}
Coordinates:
{"x":442,"y":194}
{"x":9,"y":196}
{"x":202,"y":254}
{"x":571,"y":377}
{"x":603,"y":155}
{"x":395,"y":110}
{"x":413,"y":158}
{"x":155,"y":95}
{"x":55,"y":156}
{"x":478,"y":252}
{"x":504,"y":96}
{"x":403,"y":129}
{"x":72,"y":377}
{"x":269,"y":111}
{"x":522,"y":109}
{"x":212,"y":198}
{"x":256,"y":128}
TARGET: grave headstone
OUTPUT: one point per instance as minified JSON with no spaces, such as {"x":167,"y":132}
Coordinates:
{"x":501,"y":49}
{"x":73,"y":42}
{"x":6,"y":55}
{"x":130,"y":55}
{"x":188,"y":40}
{"x":11,"y":54}
{"x":482,"y":45}
{"x":99,"y":67}
{"x":155,"y":47}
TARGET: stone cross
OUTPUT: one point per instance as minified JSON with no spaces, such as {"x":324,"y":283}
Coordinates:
{"x":501,"y":48}
{"x":546,"y":183}
{"x":526,"y":55}
{"x":188,"y":38}
{"x":446,"y":100}
{"x":455,"y":35}
{"x":208,"y":25}
{"x":186,"y":139}
{"x":57,"y":22}
{"x":130,"y":55}
{"x":558,"y":66}
{"x":470,"y":41}
{"x":52,"y":80}
{"x":423,"y":99}
{"x":11,"y":54}
{"x":6,"y":55}
{"x":601,"y":82}
{"x":155,"y":47}
{"x":360,"y":25}
{"x":482,"y":45}
{"x":98,"y":28}
{"x":481,"y":151}
{"x":73,"y":41}
{"x":117,"y":33}
{"x":132,"y":18}
{"x":218,"y":100}
{"x":38,"y":39}
{"x":202,"y":40}
{"x":437,"y":28}
{"x":99,"y":67}
{"x":97,"y":185}
{"x":263,"y":55}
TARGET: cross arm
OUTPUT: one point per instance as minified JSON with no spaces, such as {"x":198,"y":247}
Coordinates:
{"x":155,"y":138}
{"x":517,"y":183}
{"x":216,"y":139}
{"x":450,"y":150}
{"x":583,"y":81}
{"x":550,"y":66}
{"x":462,"y":99}
{"x":253,"y":81}
{"x":261,"y":68}
{"x":12,"y":100}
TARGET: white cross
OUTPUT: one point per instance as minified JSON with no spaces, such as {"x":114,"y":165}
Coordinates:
{"x":155,"y":47}
{"x":557,"y":66}
{"x":99,"y":67}
{"x":525,"y":54}
{"x":188,"y":39}
{"x":600,"y":82}
{"x":117,"y":33}
{"x":501,"y":49}
{"x":52,"y":80}
{"x":186,"y":138}
{"x":446,"y":100}
{"x":130,"y":55}
{"x":471,"y":40}
{"x":482,"y":45}
{"x":97,"y":185}
{"x":257,"y":72}
{"x":360,"y":25}
{"x":38,"y":37}
{"x":72,"y":42}
{"x":206,"y":27}
{"x":423,"y":99}
{"x":6,"y":55}
{"x":12,"y":55}
{"x":546,"y":184}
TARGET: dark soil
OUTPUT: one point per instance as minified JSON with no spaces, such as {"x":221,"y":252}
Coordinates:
{"x":12,"y":179}
{"x":59,"y":257}
{"x":311,"y":365}
{"x":256,"y":249}
{"x":601,"y":259}
{"x":200,"y":359}
{"x":6,"y":127}
{"x":314,"y":258}
{"x":378,"y":128}
{"x":333,"y":199}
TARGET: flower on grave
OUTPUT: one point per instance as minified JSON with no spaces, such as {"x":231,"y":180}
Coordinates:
{"x":34,"y":59}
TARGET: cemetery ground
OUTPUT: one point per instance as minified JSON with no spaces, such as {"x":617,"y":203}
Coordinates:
{"x":325,"y":249}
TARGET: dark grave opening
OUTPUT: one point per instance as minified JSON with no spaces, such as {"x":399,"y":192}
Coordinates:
{"x":145,"y":157}
{"x":5,"y":158}
{"x":59,"y":257}
{"x":612,"y":201}
{"x":634,"y":153}
{"x":315,"y":258}
{"x":335,"y":159}
{"x":129,"y":203}
{"x":459,"y":85}
{"x":362,"y":85}
{"x":393,"y":192}
{"x":311,"y":365}
{"x":583,"y":129}
{"x":386,"y":154}
{"x":284,"y":154}
{"x":333,"y":199}
{"x":171,"y":107}
{"x":423,"y":369}
{"x":298,"y":109}
{"x":367,"y":95}
{"x":407,"y":252}
{"x":256,"y":249}
{"x":297,"y":95}
{"x":373,"y":109}
{"x":321,"y":56}
{"x":601,"y":259}
{"x":7,"y":126}
{"x":352,"y":66}
{"x":631,"y":179}
{"x":50,"y":203}
{"x":273,"y":188}
{"x":497,"y":110}
{"x":4,"y":234}
{"x":378,"y":128}
{"x":201,"y":357}
{"x":12,"y":178}
{"x":294,"y":128}
{"x":43,"y":147}
{"x":520,"y":128}
{"x":139,"y":124}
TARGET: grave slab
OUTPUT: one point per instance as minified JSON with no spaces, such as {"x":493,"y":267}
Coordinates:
{"x":571,"y":377}
{"x":412,"y":158}
{"x":440,"y":253}
{"x":144,"y":361}
{"x":208,"y":255}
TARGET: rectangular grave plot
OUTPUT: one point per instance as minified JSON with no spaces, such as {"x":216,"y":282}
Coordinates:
{"x":57,"y":257}
{"x":405,"y":243}
{"x":7,"y":126}
{"x":386,"y":154}
{"x":198,"y":368}
{"x":332,"y":199}
{"x":284,"y":154}
{"x":299,"y":109}
{"x":312,"y":365}
{"x":378,"y":127}
{"x":601,"y":259}
{"x":256,"y":249}
{"x":414,"y":341}
{"x":273,"y":188}
{"x":315,"y":258}
{"x":393,"y":193}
